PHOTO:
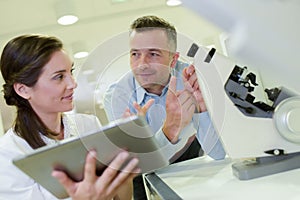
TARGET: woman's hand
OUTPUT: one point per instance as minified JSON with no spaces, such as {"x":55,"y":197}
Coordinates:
{"x":103,"y":187}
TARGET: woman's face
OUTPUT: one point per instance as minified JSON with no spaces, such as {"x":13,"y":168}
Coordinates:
{"x":54,"y":89}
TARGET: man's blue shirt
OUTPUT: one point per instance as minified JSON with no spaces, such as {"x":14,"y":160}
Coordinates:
{"x":127,"y":90}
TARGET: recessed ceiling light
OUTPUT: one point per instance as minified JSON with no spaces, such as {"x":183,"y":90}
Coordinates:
{"x":66,"y":12}
{"x":79,"y":49}
{"x":67,"y":19}
{"x":118,"y":1}
{"x":81,"y":54}
{"x":88,"y":72}
{"x":174,"y":2}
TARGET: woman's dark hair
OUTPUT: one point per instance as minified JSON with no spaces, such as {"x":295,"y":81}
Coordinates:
{"x":22,"y":61}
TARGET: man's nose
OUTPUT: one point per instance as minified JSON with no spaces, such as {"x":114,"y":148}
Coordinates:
{"x":143,"y":62}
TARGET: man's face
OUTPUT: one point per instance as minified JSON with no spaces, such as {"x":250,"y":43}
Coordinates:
{"x":151,"y":59}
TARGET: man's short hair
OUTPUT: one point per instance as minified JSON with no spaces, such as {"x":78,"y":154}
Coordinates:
{"x":151,"y":22}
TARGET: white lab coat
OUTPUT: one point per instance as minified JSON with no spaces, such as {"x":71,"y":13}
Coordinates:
{"x":16,"y":185}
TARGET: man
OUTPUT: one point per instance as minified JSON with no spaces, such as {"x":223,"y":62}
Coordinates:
{"x":166,"y":90}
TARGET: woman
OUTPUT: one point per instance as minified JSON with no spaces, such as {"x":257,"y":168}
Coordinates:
{"x":39,"y":82}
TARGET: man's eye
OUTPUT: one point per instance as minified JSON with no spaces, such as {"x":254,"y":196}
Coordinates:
{"x":154,"y":54}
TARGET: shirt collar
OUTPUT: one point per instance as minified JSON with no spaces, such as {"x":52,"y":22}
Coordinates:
{"x":141,"y":93}
{"x":70,"y":130}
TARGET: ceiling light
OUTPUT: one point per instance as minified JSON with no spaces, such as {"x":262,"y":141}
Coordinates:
{"x":81,"y":54}
{"x":67,"y":19}
{"x":174,"y":2}
{"x":118,"y":1}
{"x":79,"y":50}
{"x":65,"y":12}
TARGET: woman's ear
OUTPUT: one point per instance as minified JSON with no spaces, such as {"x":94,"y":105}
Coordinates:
{"x":174,"y":59}
{"x":22,"y":90}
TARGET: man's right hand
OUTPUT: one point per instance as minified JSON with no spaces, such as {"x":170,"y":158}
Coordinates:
{"x":180,"y":108}
{"x":141,"y":110}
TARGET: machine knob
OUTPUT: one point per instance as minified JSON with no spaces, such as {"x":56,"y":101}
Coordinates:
{"x":287,"y":119}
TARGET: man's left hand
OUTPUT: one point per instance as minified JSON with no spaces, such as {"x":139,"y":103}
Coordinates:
{"x":191,"y":83}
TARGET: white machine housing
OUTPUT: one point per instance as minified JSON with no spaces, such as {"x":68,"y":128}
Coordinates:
{"x":265,"y":37}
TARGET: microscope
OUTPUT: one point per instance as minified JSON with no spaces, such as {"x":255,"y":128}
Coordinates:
{"x":252,"y":94}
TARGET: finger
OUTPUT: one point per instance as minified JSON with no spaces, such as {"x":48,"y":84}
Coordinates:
{"x":193,"y":79}
{"x":185,"y":74}
{"x":190,"y":70}
{"x":143,"y":110}
{"x":172,"y":88}
{"x":136,"y":106}
{"x":200,"y":101}
{"x":198,"y":95}
{"x":127,"y":113}
{"x":196,"y":86}
{"x":131,"y":166}
{"x":112,"y":170}
{"x":191,"y":108}
{"x":188,"y":86}
{"x":187,"y":99}
{"x":184,"y":96}
{"x":147,"y":105}
{"x":139,"y":109}
{"x":90,"y":167}
{"x":128,"y":172}
{"x":65,"y":181}
{"x":172,"y":84}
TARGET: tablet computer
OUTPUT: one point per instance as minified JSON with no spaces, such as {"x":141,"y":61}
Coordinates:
{"x":132,"y":134}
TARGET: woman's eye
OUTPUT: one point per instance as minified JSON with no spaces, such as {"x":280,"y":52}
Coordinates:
{"x":58,"y":77}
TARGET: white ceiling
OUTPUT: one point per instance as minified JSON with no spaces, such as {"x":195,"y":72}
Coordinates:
{"x":99,"y":20}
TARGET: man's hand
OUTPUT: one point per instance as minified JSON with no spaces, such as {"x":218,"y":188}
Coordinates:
{"x":191,"y":84}
{"x":141,"y":110}
{"x":180,"y":108}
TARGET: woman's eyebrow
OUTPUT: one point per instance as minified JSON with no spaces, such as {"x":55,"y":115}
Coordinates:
{"x":59,"y":71}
